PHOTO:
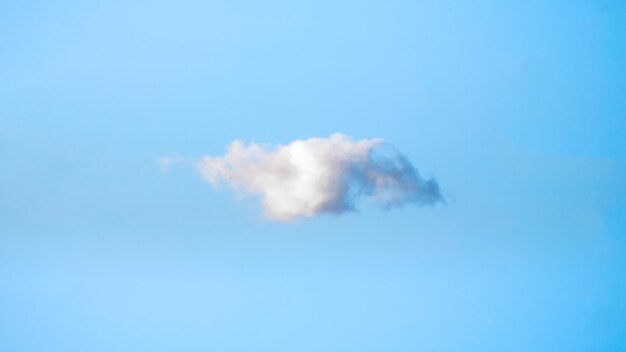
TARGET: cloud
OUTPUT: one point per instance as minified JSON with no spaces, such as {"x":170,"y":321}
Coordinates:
{"x":320,"y":175}
{"x":165,"y":162}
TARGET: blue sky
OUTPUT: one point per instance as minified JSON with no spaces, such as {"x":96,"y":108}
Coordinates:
{"x":517,"y":108}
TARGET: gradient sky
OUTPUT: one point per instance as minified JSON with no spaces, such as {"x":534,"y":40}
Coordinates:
{"x":518,"y":108}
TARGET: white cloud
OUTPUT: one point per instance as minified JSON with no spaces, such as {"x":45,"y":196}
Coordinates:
{"x":319,"y":175}
{"x":165,"y":162}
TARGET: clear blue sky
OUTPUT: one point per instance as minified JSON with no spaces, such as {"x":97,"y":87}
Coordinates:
{"x":518,"y":108}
